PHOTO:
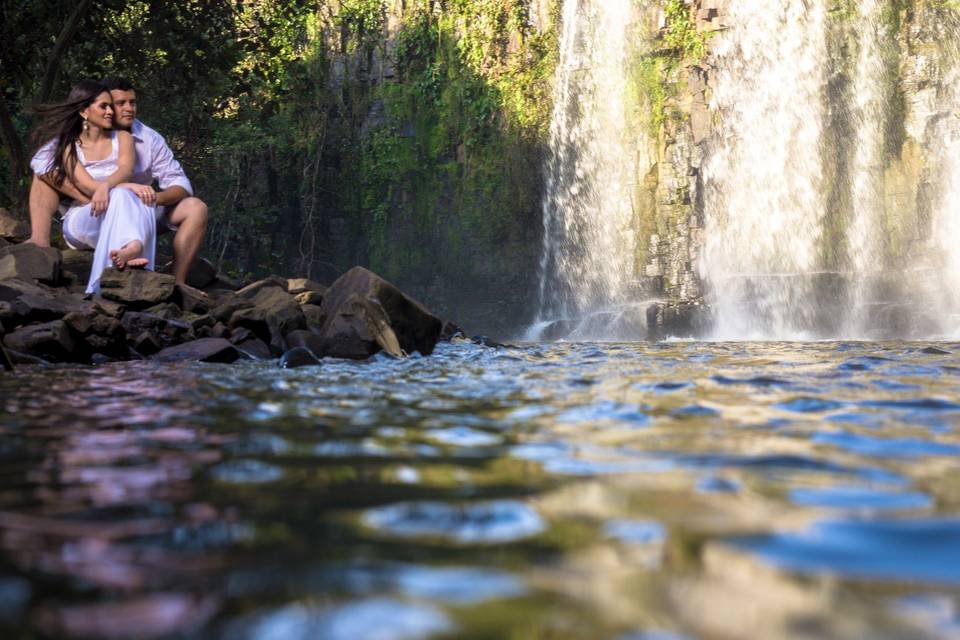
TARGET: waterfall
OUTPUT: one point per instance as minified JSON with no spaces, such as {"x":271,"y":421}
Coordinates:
{"x":764,"y":200}
{"x":588,"y":257}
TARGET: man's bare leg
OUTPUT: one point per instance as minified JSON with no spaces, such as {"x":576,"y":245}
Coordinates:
{"x":44,"y":201}
{"x":190,"y":218}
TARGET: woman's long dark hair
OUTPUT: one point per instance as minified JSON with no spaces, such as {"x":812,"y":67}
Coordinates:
{"x":61,"y":122}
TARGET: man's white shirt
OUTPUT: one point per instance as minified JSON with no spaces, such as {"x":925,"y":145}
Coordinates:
{"x":155,"y":160}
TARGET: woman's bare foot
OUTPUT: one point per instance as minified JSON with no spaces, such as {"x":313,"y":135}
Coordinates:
{"x":129,"y":256}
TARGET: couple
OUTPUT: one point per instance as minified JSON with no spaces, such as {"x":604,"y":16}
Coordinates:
{"x":95,"y":155}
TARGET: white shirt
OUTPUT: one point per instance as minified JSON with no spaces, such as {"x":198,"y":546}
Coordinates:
{"x":154,"y":161}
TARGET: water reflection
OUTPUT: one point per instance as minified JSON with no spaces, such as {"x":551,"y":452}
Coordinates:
{"x":571,"y":490}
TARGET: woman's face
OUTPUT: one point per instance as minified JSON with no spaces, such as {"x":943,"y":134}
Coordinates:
{"x":100,"y":111}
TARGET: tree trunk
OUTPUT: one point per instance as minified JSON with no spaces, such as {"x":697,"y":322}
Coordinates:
{"x":52,"y":71}
{"x":13,"y":144}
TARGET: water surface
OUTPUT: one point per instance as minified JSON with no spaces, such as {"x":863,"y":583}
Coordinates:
{"x":569,"y":490}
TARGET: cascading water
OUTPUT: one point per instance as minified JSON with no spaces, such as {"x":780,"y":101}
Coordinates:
{"x":764,"y":198}
{"x":587,"y":265}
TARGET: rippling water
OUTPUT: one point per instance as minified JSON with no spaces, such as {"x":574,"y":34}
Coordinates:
{"x":624,"y":491}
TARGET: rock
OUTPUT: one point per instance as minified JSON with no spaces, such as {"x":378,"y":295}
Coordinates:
{"x":358,"y":329}
{"x":306,"y":339}
{"x":166,"y":310}
{"x":296,"y":286}
{"x":251,"y":290}
{"x":147,"y":344}
{"x":137,"y":288}
{"x":298,"y":357}
{"x":28,"y":303}
{"x":29,"y":262}
{"x":253,"y":320}
{"x":202,"y":350}
{"x":4,"y":243}
{"x":78,"y":263}
{"x":309,"y":297}
{"x":254,"y":348}
{"x":227,"y":306}
{"x":11,"y":228}
{"x":101,"y":333}
{"x":192,"y":300}
{"x":167,"y":332}
{"x":5,"y":360}
{"x":451,"y":331}
{"x":50,"y":341}
{"x":24,"y":358}
{"x":413,"y":327}
{"x":313,"y":316}
{"x":485,"y":341}
{"x":201,"y":273}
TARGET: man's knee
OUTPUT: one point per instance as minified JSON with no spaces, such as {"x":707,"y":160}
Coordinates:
{"x":191,"y":211}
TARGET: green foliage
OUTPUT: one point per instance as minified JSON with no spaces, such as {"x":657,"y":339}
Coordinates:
{"x":681,"y":31}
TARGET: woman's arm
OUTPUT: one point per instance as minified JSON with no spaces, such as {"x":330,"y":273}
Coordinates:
{"x":125,"y":161}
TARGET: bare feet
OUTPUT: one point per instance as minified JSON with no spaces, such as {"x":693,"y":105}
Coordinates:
{"x":129,"y":256}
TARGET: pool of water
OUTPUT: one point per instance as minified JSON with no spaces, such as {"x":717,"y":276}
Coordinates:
{"x":568,"y":490}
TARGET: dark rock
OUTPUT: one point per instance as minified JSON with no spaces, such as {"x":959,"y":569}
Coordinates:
{"x":313,"y":316}
{"x":451,"y":331}
{"x":298,"y":357}
{"x":309,"y":297}
{"x":137,"y":288}
{"x":935,"y":351}
{"x":358,"y":329}
{"x":202,"y":325}
{"x":251,"y":290}
{"x":12,"y":228}
{"x":147,"y":343}
{"x":4,"y":243}
{"x":166,"y":310}
{"x":27,"y":303}
{"x":255,"y":348}
{"x":17,"y":357}
{"x":223,"y":283}
{"x":296,"y":286}
{"x":253,"y":320}
{"x":202,"y":350}
{"x":192,"y":300}
{"x":218,"y":330}
{"x":29,"y":262}
{"x":201,"y":273}
{"x":227,"y":306}
{"x":101,"y":333}
{"x":166,"y":331}
{"x":306,"y":339}
{"x":5,"y":360}
{"x":414,"y":328}
{"x":78,"y":263}
{"x":484,"y":341}
{"x":50,"y":341}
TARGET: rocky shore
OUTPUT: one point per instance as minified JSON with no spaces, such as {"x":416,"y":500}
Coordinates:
{"x":46,"y":318}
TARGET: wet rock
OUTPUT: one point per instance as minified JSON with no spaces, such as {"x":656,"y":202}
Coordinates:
{"x":935,"y":351}
{"x":273,"y":308}
{"x":298,"y":357}
{"x":166,"y":332}
{"x":50,"y":341}
{"x":77,"y":263}
{"x":16,"y":357}
{"x":254,"y":348}
{"x":147,"y":344}
{"x":485,"y":341}
{"x":29,"y":262}
{"x":306,"y":339}
{"x":358,"y":329}
{"x":11,"y":228}
{"x":252,"y":320}
{"x":412,"y":325}
{"x":451,"y":331}
{"x":137,"y":288}
{"x":202,"y":350}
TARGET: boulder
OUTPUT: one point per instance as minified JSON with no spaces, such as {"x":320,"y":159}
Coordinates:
{"x":166,"y":332}
{"x":313,"y":316}
{"x":29,"y":262}
{"x":146,"y":344}
{"x":251,"y":290}
{"x":298,"y":357}
{"x":309,"y":297}
{"x":274,"y":307}
{"x":50,"y":341}
{"x":78,"y":263}
{"x":450,"y":331}
{"x":137,"y":288}
{"x":358,"y":329}
{"x":254,"y":348}
{"x":227,"y":306}
{"x":201,"y":273}
{"x":202,"y":350}
{"x":296,"y":286}
{"x":306,"y":339}
{"x":191,"y":299}
{"x":101,"y":333}
{"x":12,"y":228}
{"x":27,"y":303}
{"x":166,"y":310}
{"x":414,"y":327}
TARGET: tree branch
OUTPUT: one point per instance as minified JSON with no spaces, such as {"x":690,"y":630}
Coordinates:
{"x":59,"y":49}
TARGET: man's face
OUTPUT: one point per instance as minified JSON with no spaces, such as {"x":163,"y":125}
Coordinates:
{"x":125,"y":108}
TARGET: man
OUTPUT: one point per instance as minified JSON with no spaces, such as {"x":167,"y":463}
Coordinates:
{"x":177,"y":209}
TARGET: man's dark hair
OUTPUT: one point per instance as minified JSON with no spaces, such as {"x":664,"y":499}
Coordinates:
{"x":117,"y":83}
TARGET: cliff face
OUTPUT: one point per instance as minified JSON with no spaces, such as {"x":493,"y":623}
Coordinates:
{"x":442,"y":178}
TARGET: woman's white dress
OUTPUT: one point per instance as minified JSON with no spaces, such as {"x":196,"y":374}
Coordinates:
{"x":127,"y":219}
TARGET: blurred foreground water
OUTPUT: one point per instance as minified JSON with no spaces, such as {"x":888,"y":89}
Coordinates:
{"x":570,"y":490}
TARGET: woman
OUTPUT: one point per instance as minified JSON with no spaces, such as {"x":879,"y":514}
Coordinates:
{"x":95,"y":158}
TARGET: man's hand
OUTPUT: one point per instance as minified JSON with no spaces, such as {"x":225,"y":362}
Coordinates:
{"x":100,"y":200}
{"x":145,"y":192}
